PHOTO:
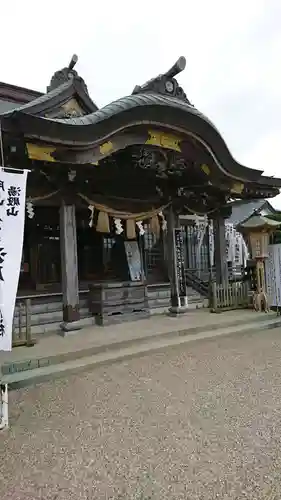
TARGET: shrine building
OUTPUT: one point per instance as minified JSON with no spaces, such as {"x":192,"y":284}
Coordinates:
{"x":113,"y":194}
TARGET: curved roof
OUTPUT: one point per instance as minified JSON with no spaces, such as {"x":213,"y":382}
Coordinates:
{"x":164,"y":111}
{"x":160,"y":102}
{"x":257,"y":222}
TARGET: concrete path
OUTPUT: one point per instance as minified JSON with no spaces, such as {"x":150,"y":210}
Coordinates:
{"x":198,"y":421}
{"x":50,"y":345}
{"x":55,"y":357}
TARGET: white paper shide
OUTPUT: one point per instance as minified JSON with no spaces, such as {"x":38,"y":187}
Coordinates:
{"x":12,"y":215}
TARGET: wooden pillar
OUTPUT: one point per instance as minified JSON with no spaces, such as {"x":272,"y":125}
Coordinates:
{"x":209,"y":261}
{"x":166,"y":253}
{"x":175,"y":252}
{"x":69,"y":264}
{"x":220,"y":250}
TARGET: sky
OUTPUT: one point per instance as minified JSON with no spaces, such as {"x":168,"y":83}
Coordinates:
{"x":232,"y":48}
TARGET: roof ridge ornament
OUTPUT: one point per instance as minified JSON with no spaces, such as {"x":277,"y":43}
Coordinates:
{"x":166,"y":84}
{"x":66,"y":74}
{"x":73,"y":61}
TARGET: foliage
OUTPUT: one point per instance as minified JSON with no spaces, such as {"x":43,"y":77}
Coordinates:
{"x":276,"y":217}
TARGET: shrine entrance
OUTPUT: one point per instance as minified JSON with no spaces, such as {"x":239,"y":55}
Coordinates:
{"x":41,"y":263}
{"x":48,"y":269}
{"x":150,"y":156}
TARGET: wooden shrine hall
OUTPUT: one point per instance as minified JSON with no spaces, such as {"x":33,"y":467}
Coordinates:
{"x":102,"y":181}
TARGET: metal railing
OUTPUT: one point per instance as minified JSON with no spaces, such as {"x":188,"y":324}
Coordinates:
{"x":200,"y":285}
{"x":21,"y":333}
{"x":200,"y":279}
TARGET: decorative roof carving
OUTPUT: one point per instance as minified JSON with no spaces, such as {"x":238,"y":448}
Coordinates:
{"x":74,"y":113}
{"x":166,"y":84}
{"x":67,"y":74}
{"x":70,"y":109}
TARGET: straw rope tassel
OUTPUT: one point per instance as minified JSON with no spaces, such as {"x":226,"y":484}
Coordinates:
{"x":131,"y":229}
{"x":154,"y":225}
{"x":103,"y":223}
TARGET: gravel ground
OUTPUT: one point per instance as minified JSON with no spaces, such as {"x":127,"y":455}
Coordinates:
{"x":200,"y":421}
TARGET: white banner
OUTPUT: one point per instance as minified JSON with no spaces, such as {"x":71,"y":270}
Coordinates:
{"x":12,"y":215}
{"x":211,"y":244}
{"x":236,"y":248}
{"x":270,"y":276}
{"x":273,"y":275}
{"x":201,"y":231}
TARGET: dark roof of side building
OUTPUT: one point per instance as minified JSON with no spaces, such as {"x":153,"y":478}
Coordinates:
{"x":242,"y":209}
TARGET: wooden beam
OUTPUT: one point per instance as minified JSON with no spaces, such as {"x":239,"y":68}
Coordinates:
{"x":69,"y":263}
{"x":220,"y":250}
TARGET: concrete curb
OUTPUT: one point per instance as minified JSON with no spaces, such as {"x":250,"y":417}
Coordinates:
{"x":11,"y":367}
{"x":152,"y":345}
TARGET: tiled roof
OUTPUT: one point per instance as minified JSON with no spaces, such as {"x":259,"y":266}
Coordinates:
{"x":256,"y":221}
{"x":243,"y":209}
{"x":6,"y":106}
{"x":130,"y":110}
{"x":47,"y":101}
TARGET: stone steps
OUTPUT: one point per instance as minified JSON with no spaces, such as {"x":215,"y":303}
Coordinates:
{"x":159,"y":299}
{"x":19,"y":373}
{"x":47,"y":316}
{"x":52,"y":304}
{"x":51,"y":316}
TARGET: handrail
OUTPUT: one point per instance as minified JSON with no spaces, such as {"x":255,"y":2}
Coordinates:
{"x":198,"y":284}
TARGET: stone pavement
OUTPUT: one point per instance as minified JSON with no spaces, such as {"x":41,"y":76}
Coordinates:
{"x":200,"y":421}
{"x":87,"y":338}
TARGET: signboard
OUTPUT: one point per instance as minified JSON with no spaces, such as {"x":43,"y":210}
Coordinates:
{"x":12,"y":215}
{"x":179,"y":258}
{"x":273,"y":275}
{"x":134,"y":260}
